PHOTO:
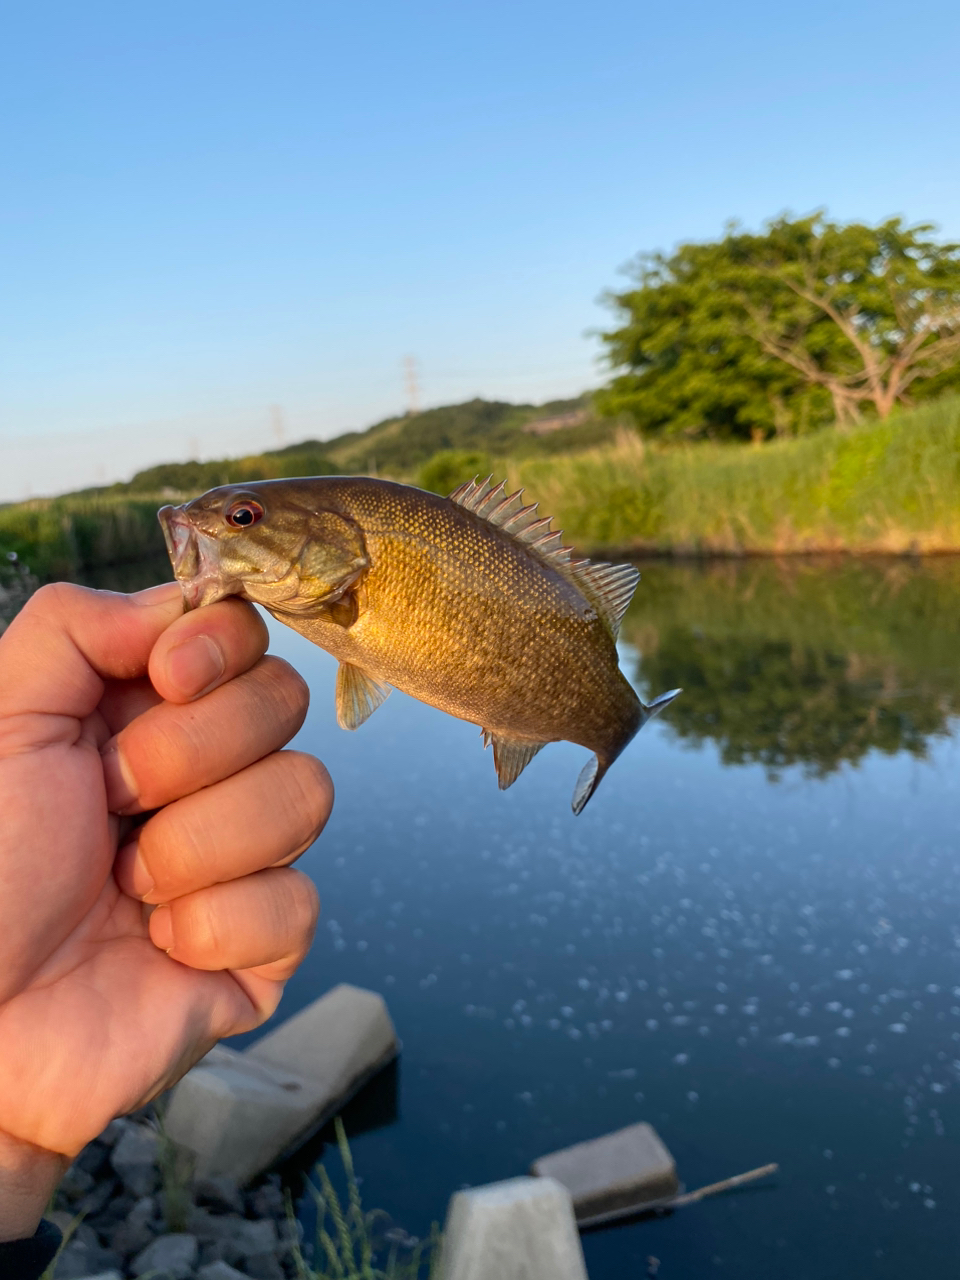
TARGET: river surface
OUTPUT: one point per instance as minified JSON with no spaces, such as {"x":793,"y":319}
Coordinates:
{"x":750,"y":938}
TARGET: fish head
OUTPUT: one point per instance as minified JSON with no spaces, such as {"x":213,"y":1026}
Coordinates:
{"x":273,"y":542}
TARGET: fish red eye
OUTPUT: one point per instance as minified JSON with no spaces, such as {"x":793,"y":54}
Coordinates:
{"x":243,"y":514}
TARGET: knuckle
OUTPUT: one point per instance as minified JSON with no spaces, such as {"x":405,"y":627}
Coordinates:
{"x":310,"y":792}
{"x":160,"y":750}
{"x":55,"y":598}
{"x":287,"y":688}
{"x":198,"y":929}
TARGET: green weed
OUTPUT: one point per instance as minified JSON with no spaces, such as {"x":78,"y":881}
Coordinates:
{"x":348,"y":1242}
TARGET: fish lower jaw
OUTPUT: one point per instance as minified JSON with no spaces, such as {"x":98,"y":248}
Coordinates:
{"x":199,"y":591}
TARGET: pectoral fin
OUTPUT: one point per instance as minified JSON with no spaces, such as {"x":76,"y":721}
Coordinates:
{"x":358,"y":696}
{"x":511,"y":756}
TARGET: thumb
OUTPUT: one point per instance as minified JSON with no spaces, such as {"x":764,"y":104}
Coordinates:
{"x":57,"y":652}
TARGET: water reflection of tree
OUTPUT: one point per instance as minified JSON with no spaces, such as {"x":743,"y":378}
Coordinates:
{"x":811,"y":666}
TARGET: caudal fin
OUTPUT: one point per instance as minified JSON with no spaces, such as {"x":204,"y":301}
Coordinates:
{"x":656,"y":706}
{"x":593,"y":770}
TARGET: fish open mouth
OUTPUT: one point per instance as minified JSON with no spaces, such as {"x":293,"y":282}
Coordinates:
{"x":195,"y":558}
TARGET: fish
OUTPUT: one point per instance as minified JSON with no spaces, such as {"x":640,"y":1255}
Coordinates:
{"x":470,"y":603}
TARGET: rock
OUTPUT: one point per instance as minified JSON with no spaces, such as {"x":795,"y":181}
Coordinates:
{"x":76,"y":1182}
{"x":267,"y":1201}
{"x":522,"y":1229}
{"x":255,"y":1238}
{"x":95,"y":1201}
{"x":104,"y":1275}
{"x":264,"y":1266}
{"x":93,"y":1158}
{"x":112,"y":1213}
{"x":170,"y":1257}
{"x":240,"y":1112}
{"x":622,"y":1170}
{"x":135,"y":1159}
{"x":209,"y":1227}
{"x":70,"y":1227}
{"x":138,"y":1229}
{"x":220,"y":1271}
{"x":79,"y":1258}
{"x":114,"y":1132}
{"x":222,"y":1194}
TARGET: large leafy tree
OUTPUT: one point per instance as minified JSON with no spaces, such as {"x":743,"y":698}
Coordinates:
{"x":785,"y":330}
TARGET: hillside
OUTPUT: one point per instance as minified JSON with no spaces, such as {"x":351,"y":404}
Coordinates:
{"x":397,"y":447}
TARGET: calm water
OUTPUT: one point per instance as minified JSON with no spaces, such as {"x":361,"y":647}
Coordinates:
{"x":751,"y":937}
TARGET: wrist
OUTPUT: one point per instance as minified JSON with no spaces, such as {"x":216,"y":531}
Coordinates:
{"x":28,"y":1179}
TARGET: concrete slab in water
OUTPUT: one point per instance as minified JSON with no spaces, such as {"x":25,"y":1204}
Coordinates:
{"x":522,"y":1229}
{"x":622,"y":1170}
{"x":241,"y":1112}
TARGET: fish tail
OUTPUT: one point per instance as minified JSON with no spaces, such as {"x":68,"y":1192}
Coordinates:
{"x":597,"y":766}
{"x":654,"y":708}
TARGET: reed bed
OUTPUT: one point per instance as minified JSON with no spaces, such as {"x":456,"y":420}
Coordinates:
{"x":882,"y":487}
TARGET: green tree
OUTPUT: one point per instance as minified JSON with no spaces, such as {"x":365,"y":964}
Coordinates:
{"x":450,"y":468}
{"x":779,"y":331}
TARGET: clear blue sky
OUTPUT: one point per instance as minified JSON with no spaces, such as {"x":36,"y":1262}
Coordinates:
{"x":215,"y":206}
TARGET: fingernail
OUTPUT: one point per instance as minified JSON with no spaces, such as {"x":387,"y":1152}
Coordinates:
{"x":121,"y":786}
{"x":130,"y":872}
{"x":161,"y":928}
{"x":165,"y":593}
{"x":195,"y":666}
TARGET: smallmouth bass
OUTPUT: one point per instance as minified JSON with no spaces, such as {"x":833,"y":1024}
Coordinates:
{"x":470,"y":603}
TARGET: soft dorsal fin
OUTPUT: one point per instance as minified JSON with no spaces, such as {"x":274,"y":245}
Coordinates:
{"x":358,"y":695}
{"x":608,"y":587}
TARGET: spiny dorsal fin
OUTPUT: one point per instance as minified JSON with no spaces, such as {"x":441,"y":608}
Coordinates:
{"x":608,"y":587}
{"x":510,"y":756}
{"x":358,"y":695}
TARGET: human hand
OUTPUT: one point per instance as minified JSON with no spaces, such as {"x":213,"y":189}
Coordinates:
{"x":126,"y":950}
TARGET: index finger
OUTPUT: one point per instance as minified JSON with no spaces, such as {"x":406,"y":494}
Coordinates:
{"x":67,"y":640}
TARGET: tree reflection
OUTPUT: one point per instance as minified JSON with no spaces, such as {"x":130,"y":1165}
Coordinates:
{"x":808,"y":666}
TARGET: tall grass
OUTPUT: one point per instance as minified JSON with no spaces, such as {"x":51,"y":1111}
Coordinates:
{"x":62,"y":537}
{"x":891,"y":486}
{"x":349,"y":1240}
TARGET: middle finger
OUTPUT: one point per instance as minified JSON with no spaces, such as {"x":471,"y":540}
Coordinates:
{"x":262,"y":817}
{"x":173,"y":750}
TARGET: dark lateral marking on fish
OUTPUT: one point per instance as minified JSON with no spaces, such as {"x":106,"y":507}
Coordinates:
{"x":470,"y":603}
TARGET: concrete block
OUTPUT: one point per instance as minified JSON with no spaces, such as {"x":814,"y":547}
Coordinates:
{"x":241,"y":1112}
{"x":338,"y":1042}
{"x":522,"y":1229}
{"x":236,"y":1115}
{"x":623,"y":1170}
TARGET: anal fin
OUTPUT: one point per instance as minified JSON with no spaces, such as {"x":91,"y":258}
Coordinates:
{"x":587,"y":783}
{"x":358,"y":696}
{"x":511,"y":756}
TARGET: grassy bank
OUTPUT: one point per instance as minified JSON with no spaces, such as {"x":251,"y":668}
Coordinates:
{"x":883,"y":487}
{"x":66,"y":537}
